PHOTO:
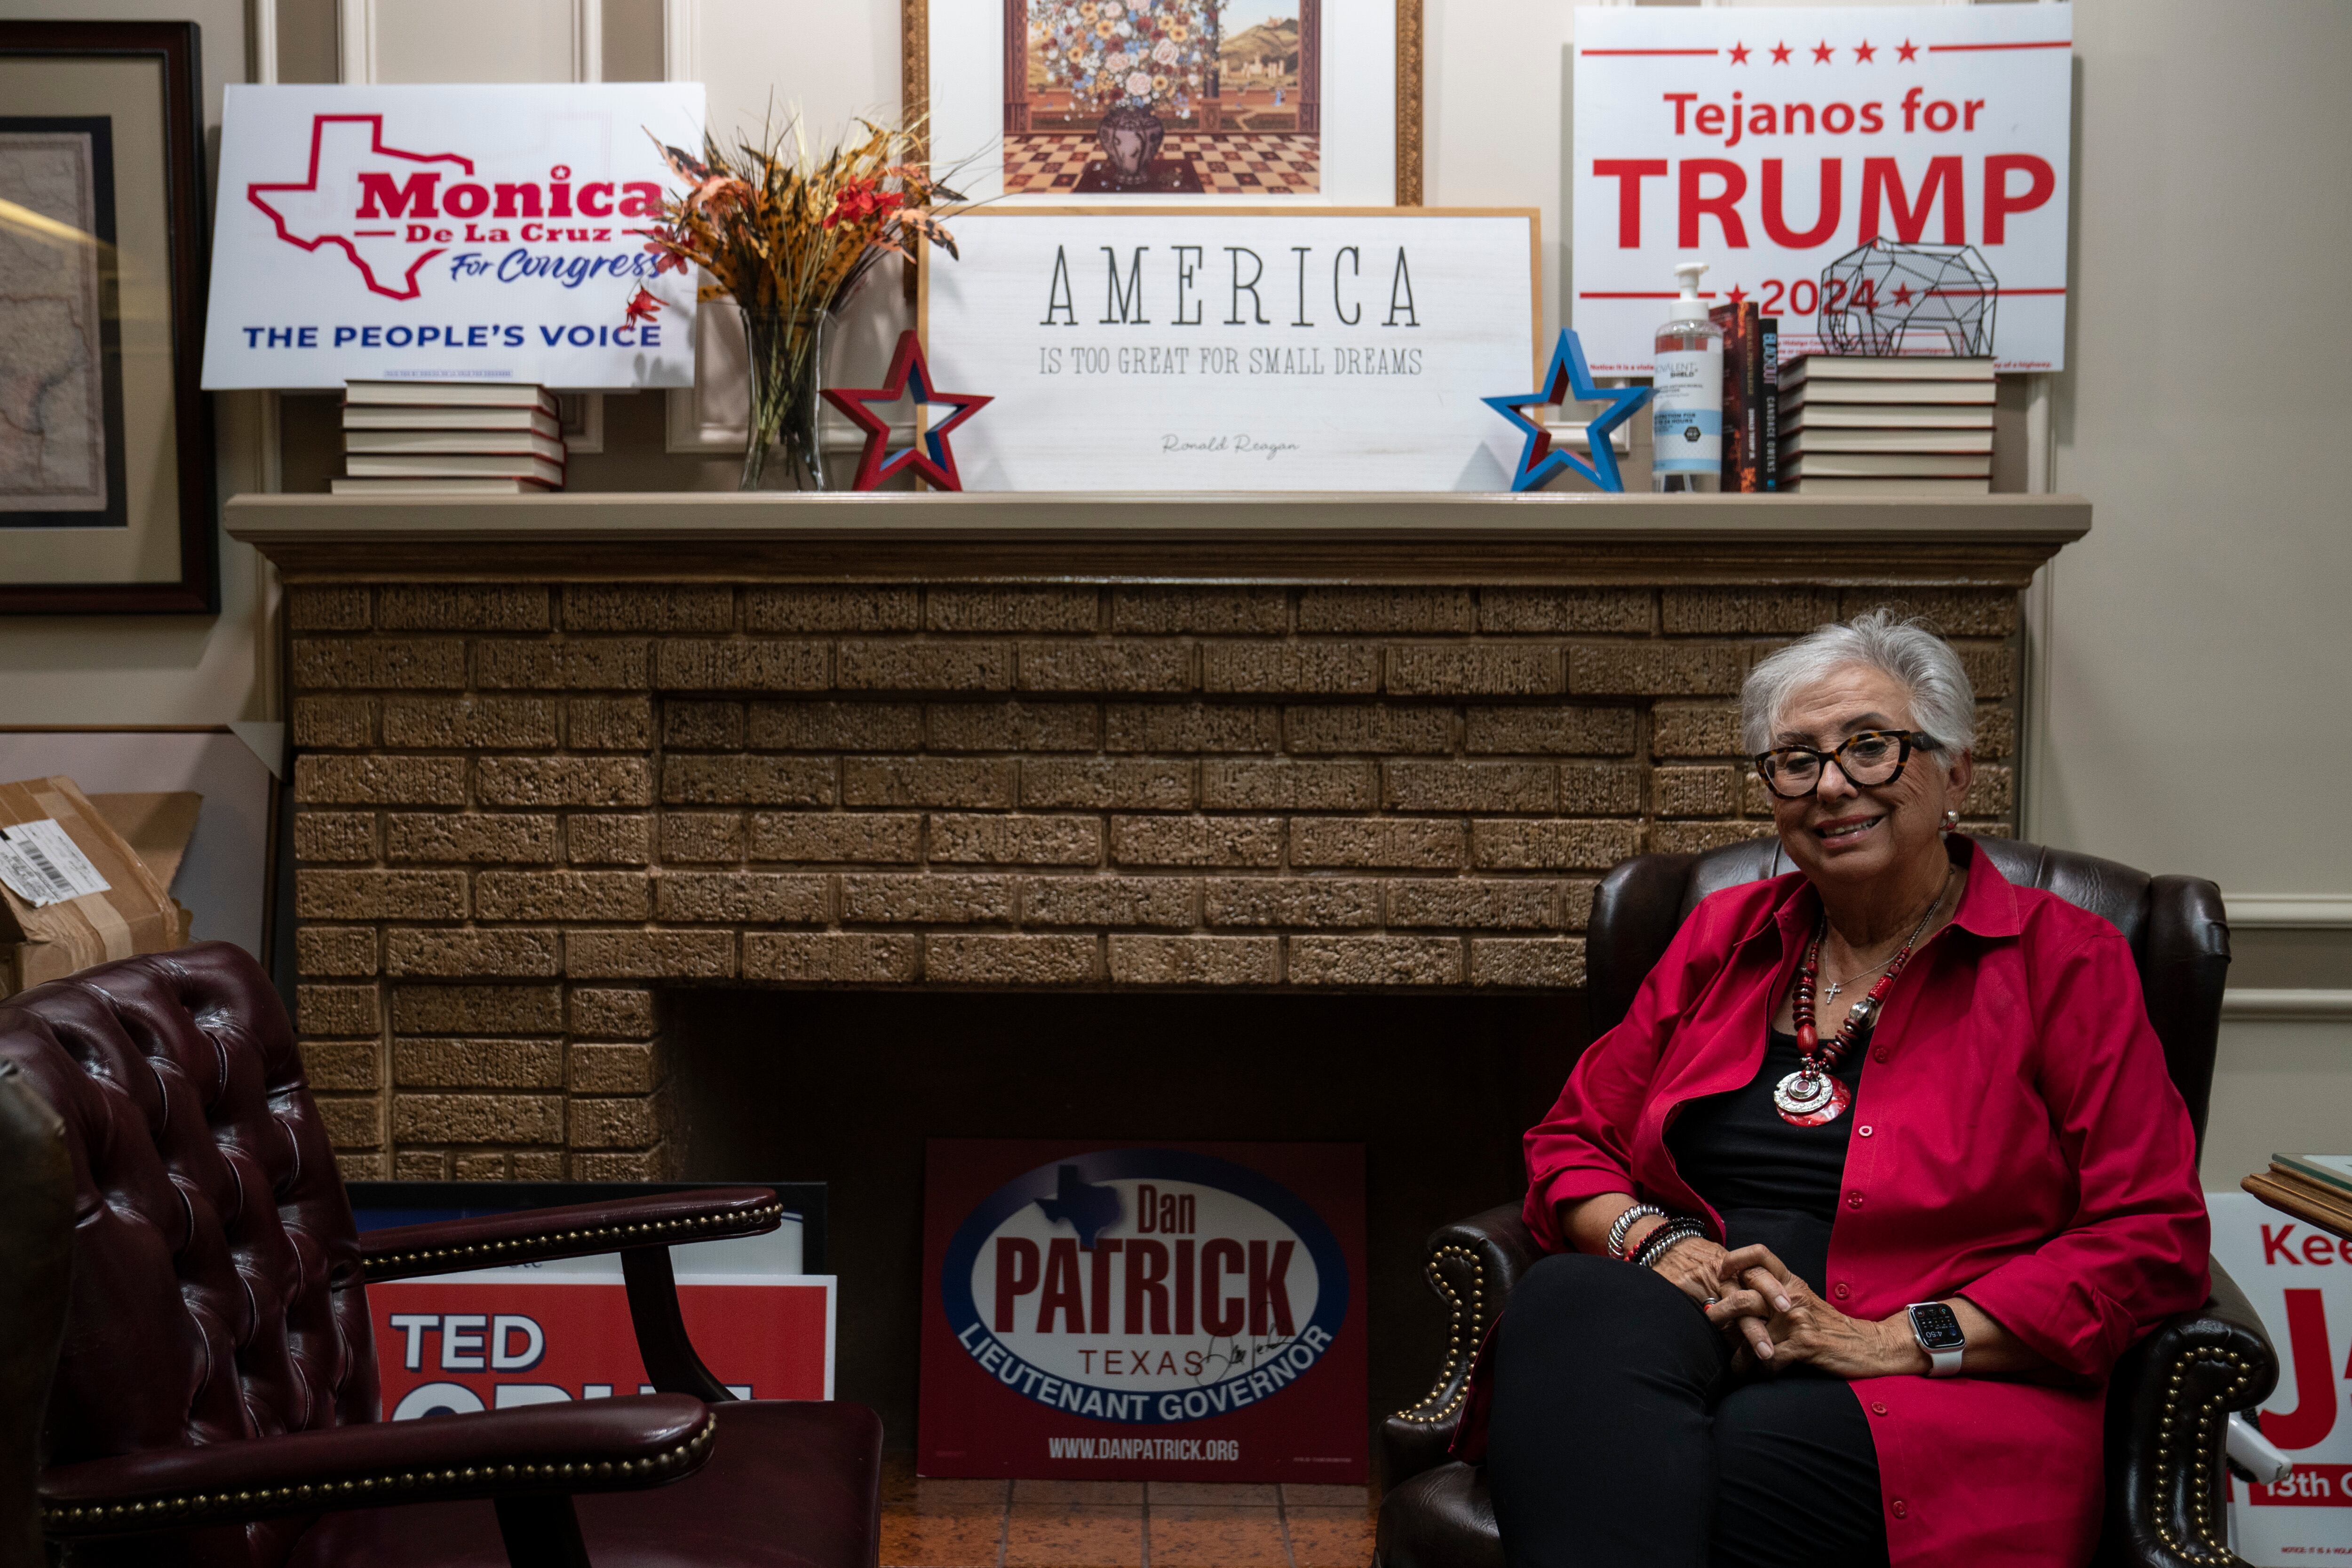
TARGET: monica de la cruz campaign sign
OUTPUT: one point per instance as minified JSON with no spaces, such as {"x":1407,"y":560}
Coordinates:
{"x":441,"y":233}
{"x":1778,"y":144}
{"x":2299,"y":1278}
{"x":1178,"y":1312}
{"x":1189,"y":349}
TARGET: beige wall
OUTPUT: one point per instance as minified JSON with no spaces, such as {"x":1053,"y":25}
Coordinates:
{"x":2194,"y":715}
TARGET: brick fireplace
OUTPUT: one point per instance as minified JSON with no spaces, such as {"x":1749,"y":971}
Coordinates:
{"x":555,"y":759}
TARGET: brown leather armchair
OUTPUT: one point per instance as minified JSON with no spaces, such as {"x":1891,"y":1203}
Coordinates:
{"x":214,"y":1401}
{"x":2168,"y":1404}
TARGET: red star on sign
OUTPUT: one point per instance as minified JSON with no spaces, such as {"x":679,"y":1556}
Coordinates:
{"x":1865,"y":51}
{"x":1907,"y":49}
{"x":1740,"y":52}
{"x":1822,"y":54}
{"x":930,"y":456}
{"x":1779,"y":53}
{"x":1903,"y":294}
{"x":1737,"y":294}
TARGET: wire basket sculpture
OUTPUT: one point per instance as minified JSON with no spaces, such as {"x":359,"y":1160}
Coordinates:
{"x":1889,"y":298}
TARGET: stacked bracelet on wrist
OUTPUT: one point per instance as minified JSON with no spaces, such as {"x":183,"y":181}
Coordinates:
{"x":1625,"y":1222}
{"x":1664,"y":1239}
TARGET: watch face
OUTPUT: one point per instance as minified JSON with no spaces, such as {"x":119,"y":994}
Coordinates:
{"x":1938,"y":1327}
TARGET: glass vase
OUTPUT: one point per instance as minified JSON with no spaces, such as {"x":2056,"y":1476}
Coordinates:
{"x":786,"y":354}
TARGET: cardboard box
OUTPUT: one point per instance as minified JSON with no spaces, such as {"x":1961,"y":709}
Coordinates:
{"x":134,"y":842}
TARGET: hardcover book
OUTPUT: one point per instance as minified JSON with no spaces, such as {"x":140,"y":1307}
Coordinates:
{"x":452,"y":393}
{"x":1886,"y":416}
{"x":1890,"y":489}
{"x":1889,"y":465}
{"x":1883,"y":367}
{"x":510,"y":443}
{"x":1743,"y":396}
{"x":455,"y":465}
{"x":405,"y":416}
{"x":1904,"y":392}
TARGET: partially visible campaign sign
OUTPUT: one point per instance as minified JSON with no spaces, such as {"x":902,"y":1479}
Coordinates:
{"x":2299,"y":1278}
{"x":498,"y":1339}
{"x":1178,"y":1312}
{"x":424,"y":233}
{"x":540,"y":1333}
{"x":1882,"y":179}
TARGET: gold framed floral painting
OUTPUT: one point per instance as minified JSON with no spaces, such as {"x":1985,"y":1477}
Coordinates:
{"x":1279,"y":102}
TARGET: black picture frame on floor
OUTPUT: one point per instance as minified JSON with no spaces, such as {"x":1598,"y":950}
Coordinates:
{"x":162,"y":510}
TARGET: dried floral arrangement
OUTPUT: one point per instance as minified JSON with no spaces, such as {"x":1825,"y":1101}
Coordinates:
{"x":787,"y":233}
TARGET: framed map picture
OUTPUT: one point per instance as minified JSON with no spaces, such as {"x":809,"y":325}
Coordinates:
{"x":105,"y":452}
{"x":1281,"y":101}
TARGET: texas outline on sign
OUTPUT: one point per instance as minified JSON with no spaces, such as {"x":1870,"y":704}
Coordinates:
{"x":323,"y":213}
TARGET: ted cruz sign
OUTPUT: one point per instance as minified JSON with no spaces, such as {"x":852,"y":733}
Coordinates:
{"x":429,"y":232}
{"x":1880,"y":178}
{"x":1188,"y":1312}
{"x":496,"y":1339}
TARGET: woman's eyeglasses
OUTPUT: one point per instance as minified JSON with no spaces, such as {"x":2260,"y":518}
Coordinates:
{"x":1867,"y":757}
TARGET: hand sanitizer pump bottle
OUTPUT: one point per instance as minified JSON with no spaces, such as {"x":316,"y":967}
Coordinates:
{"x":1686,"y":405}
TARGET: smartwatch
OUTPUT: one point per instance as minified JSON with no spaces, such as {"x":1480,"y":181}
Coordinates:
{"x":1938,"y":1329}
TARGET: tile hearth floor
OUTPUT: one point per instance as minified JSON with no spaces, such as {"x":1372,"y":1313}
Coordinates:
{"x":1120,"y":1525}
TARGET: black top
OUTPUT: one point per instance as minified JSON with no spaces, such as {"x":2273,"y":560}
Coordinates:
{"x":1771,"y":1181}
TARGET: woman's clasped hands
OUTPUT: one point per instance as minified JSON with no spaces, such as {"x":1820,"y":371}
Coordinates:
{"x":1781,"y":1322}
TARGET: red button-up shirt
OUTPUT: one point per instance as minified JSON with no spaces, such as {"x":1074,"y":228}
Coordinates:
{"x":2018,"y":1142}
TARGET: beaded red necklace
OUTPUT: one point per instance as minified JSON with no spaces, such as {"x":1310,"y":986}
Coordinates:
{"x":1812,"y":1096}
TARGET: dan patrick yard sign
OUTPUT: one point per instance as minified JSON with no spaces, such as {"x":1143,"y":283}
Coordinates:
{"x":1189,"y":1313}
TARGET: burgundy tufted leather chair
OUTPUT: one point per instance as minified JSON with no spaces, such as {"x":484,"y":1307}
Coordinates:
{"x":2170,"y":1397}
{"x":215,"y":1399}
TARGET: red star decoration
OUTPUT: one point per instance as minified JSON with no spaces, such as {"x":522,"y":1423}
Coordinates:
{"x":1865,"y":51}
{"x":1824,"y":53}
{"x":930,"y":456}
{"x":1740,"y":52}
{"x":1737,"y":294}
{"x":1907,"y":50}
{"x":1903,"y":294}
{"x":1779,"y":53}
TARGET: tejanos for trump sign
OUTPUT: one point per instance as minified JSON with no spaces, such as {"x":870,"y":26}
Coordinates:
{"x":1883,"y":180}
{"x":1156,"y":348}
{"x":450,"y":233}
{"x":1182,"y":1313}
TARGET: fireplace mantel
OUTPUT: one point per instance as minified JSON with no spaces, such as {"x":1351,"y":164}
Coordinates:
{"x":1303,"y":538}
{"x":557,"y":758}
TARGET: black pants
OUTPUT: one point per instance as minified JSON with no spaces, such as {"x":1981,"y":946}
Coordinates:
{"x":1618,"y":1437}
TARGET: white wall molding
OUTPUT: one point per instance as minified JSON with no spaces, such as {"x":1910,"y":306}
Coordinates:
{"x":355,"y":40}
{"x":2285,"y":1005}
{"x":2290,"y":911}
{"x":587,"y":40}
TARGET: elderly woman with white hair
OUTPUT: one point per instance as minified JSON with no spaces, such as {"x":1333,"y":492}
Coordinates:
{"x":1856,"y":1210}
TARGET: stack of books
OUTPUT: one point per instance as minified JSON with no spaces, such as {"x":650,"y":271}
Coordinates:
{"x":2318,"y":1187}
{"x":1868,"y":426}
{"x":450,"y":437}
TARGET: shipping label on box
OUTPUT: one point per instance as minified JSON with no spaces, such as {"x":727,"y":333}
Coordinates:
{"x":1190,"y":1312}
{"x":498,"y":1339}
{"x":2299,"y":1278}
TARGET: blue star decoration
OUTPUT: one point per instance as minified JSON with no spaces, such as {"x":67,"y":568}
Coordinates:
{"x":1568,"y":380}
{"x":930,"y":457}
